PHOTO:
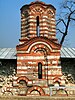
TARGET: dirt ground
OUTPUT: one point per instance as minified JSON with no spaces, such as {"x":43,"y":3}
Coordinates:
{"x":35,"y":98}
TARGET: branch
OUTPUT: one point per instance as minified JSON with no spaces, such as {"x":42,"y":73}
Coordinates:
{"x":57,"y":22}
{"x":60,"y":31}
{"x":66,"y":30}
{"x":61,"y":20}
{"x":68,"y":8}
{"x":72,"y":19}
{"x":66,"y":17}
{"x":72,"y":12}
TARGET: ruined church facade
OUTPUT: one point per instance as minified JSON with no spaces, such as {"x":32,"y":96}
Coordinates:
{"x":38,"y":53}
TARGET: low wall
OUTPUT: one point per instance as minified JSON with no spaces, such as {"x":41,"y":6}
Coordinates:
{"x":35,"y":98}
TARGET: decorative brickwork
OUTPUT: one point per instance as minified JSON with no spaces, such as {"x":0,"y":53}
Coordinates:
{"x":38,"y":54}
{"x":38,"y":70}
{"x":36,"y":88}
{"x":22,"y":78}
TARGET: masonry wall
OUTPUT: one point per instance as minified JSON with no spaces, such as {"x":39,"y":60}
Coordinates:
{"x":38,"y":44}
{"x":9,"y":87}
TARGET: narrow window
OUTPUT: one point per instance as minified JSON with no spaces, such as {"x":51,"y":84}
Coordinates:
{"x":37,"y":26}
{"x":40,"y":70}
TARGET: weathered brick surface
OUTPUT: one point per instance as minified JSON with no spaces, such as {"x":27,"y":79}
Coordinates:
{"x":38,"y":44}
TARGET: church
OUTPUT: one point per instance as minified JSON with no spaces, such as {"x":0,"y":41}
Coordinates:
{"x":38,"y":56}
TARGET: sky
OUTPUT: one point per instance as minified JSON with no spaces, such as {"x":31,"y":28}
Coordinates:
{"x":10,"y":25}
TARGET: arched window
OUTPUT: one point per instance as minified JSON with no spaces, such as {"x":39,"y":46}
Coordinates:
{"x":40,"y":70}
{"x":37,"y":26}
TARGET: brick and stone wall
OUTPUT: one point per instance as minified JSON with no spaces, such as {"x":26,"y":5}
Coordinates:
{"x":38,"y":45}
{"x":38,"y":71}
{"x":46,"y":15}
{"x":13,"y":85}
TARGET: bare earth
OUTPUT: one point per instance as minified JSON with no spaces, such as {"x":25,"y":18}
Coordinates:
{"x":35,"y":98}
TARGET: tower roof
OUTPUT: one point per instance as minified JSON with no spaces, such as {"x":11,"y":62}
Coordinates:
{"x":38,"y":2}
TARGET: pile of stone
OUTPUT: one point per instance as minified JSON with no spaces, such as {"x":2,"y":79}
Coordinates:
{"x":68,"y":78}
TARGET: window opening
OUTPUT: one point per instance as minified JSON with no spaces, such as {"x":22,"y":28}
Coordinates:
{"x":37,"y":27}
{"x":40,"y":70}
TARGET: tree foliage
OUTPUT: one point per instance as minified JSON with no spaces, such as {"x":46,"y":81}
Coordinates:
{"x":66,"y":16}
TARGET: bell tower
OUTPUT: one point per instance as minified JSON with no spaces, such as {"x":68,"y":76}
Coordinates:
{"x":38,"y":20}
{"x":38,"y":53}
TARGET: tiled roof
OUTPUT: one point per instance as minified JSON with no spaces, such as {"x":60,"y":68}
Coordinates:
{"x":10,"y":53}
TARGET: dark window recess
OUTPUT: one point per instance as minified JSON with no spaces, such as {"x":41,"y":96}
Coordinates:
{"x":37,"y":26}
{"x":40,"y":70}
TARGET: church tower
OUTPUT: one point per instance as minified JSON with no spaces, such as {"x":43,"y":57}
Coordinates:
{"x":38,"y":53}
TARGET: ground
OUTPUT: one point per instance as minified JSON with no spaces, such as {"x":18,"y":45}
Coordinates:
{"x":36,"y":98}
